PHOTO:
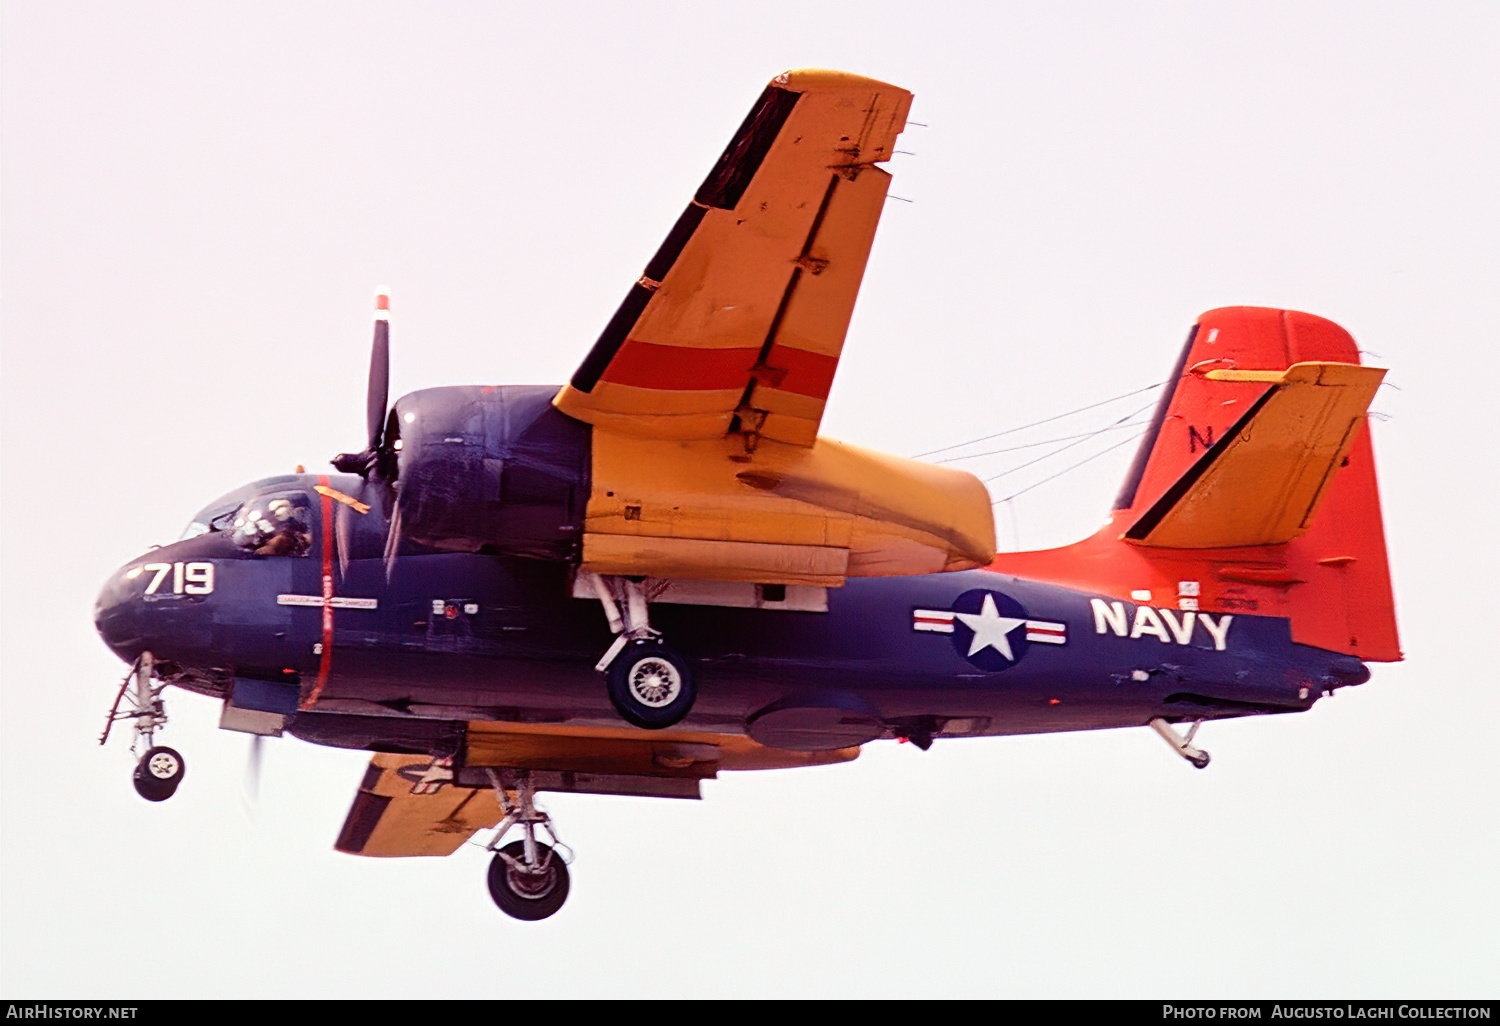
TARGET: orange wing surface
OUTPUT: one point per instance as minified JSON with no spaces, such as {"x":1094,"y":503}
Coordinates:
{"x":737,"y":323}
{"x":409,"y":805}
{"x":707,"y":387}
{"x":405,"y":806}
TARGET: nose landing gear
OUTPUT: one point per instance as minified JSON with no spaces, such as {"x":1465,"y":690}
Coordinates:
{"x":160,"y":769}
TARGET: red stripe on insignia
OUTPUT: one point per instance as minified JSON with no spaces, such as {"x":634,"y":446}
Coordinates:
{"x":678,"y":368}
{"x":1046,"y":632}
{"x":933,"y":620}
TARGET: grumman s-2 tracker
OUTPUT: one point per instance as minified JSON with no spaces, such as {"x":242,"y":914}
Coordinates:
{"x":660,"y":570}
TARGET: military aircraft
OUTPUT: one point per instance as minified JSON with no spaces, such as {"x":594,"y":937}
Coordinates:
{"x":660,"y":570}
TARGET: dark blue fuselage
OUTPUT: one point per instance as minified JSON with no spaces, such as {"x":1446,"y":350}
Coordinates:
{"x":455,"y":636}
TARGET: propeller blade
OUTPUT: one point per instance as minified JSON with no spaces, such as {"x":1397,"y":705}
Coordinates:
{"x":376,"y":461}
{"x":380,"y":371}
{"x":251,"y":796}
{"x":392,"y":538}
{"x":341,"y":538}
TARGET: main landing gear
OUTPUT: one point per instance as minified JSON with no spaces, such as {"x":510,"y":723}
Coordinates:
{"x":1183,"y":746}
{"x":160,"y":769}
{"x":527,"y":879}
{"x":650,"y":684}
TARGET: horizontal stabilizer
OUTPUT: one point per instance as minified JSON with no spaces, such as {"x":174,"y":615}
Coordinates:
{"x":1261,"y":483}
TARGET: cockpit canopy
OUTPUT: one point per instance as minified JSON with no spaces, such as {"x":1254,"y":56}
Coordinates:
{"x":272,"y":517}
{"x":278,"y":524}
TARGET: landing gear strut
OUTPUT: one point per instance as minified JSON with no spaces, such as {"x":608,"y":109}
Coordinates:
{"x":160,"y":769}
{"x":527,"y":879}
{"x":650,"y":684}
{"x":1183,"y":746}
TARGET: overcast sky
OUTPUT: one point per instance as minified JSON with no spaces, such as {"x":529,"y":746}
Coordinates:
{"x":199,"y":200}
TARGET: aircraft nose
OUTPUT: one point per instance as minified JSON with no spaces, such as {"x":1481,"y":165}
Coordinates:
{"x":119,"y":614}
{"x":161,"y":603}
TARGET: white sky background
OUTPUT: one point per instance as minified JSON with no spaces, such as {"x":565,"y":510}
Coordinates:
{"x":199,"y":200}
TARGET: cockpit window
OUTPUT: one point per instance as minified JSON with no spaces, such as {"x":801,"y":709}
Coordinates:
{"x":205,"y":522}
{"x":277,"y":524}
{"x":218,"y":515}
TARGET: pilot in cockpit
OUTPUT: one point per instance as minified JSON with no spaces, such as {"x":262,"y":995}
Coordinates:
{"x":277,"y":525}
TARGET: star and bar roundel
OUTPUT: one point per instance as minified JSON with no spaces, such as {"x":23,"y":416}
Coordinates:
{"x":989,"y":629}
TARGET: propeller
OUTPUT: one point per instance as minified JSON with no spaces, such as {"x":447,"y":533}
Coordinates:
{"x":378,"y":460}
{"x":378,"y":463}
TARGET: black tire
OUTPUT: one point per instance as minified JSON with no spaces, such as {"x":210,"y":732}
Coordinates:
{"x":158,"y":773}
{"x":650,"y":685}
{"x":1200,"y":762}
{"x":528,"y":896}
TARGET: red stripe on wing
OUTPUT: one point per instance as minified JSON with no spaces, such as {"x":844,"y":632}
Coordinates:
{"x":678,"y":368}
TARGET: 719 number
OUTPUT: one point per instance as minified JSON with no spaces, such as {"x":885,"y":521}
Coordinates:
{"x":187,"y":578}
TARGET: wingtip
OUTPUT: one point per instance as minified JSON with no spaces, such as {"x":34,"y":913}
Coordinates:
{"x":804,"y":80}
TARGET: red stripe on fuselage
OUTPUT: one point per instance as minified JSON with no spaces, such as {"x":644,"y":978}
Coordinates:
{"x":325,"y":660}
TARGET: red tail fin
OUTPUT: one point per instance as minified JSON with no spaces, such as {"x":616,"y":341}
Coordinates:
{"x":1253,"y":491}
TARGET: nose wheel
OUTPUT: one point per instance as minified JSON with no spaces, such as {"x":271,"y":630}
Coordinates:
{"x":158,"y":774}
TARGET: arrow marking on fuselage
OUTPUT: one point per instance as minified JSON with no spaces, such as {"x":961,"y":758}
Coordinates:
{"x":336,"y":601}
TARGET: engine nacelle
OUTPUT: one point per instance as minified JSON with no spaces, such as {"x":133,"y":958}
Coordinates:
{"x":491,"y":469}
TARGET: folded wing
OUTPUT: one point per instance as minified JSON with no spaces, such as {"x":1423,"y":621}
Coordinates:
{"x":737,"y":323}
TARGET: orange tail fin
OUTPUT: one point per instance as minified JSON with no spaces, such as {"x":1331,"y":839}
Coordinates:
{"x":1254,"y":489}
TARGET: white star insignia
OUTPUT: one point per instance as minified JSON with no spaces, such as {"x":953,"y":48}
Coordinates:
{"x":990,"y":629}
